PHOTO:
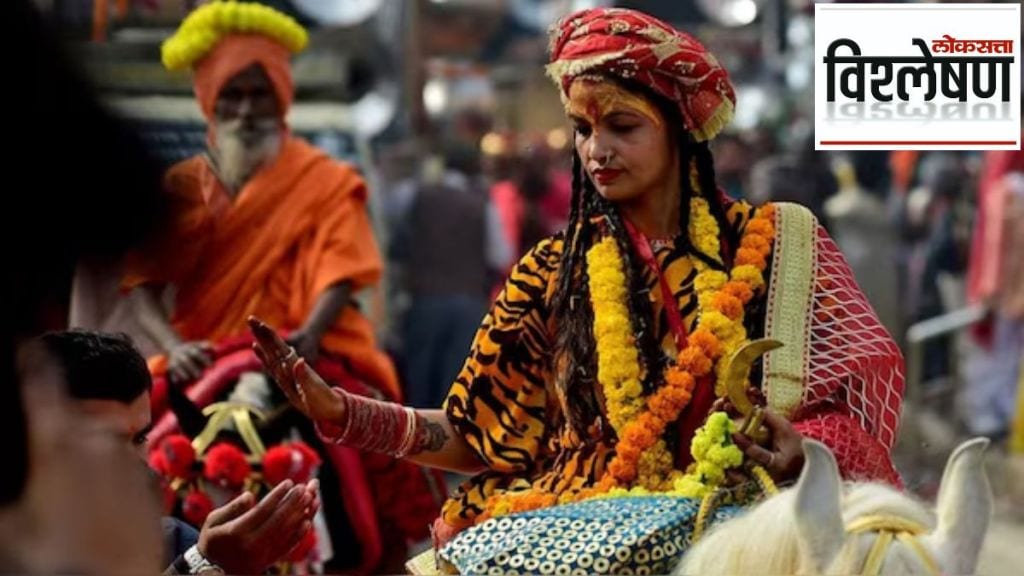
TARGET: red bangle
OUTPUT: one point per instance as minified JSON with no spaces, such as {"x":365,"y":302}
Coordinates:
{"x":372,"y":426}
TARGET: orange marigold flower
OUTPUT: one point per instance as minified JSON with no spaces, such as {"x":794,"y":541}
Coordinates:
{"x":661,"y":406}
{"x":628,"y":451}
{"x":728,"y":304}
{"x":635,"y":434}
{"x":761,"y":226}
{"x":667,"y":403}
{"x":756,"y":242}
{"x":531,"y":501}
{"x":653,"y":425}
{"x":707,"y":342}
{"x":676,"y":396}
{"x":752,"y":257}
{"x":622,"y":471}
{"x":680,"y":379}
{"x":694,"y":361}
{"x":739,"y":290}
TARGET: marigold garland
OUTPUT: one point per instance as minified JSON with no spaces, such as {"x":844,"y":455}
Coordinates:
{"x":721,"y":329}
{"x":714,"y":453}
{"x":642,"y":463}
{"x":205,"y":26}
{"x":618,"y":361}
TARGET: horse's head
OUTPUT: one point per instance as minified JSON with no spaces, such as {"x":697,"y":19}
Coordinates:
{"x":821,"y":526}
{"x":860,"y":532}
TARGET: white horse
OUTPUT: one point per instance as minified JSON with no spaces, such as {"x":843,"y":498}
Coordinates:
{"x":821,"y":526}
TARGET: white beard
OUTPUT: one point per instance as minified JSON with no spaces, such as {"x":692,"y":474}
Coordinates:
{"x":239,"y":150}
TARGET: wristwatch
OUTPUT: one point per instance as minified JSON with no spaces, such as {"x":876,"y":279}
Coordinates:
{"x":199,"y":564}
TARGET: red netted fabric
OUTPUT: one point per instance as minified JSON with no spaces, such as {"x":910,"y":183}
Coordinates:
{"x":860,"y":456}
{"x":854,"y":389}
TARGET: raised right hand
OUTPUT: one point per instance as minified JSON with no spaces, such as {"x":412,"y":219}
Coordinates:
{"x":303,"y":387}
{"x":187,"y":361}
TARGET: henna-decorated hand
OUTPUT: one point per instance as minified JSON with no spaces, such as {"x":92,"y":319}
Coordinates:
{"x":303,"y":387}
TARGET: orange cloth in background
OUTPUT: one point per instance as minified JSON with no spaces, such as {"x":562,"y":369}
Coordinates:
{"x":235,"y":53}
{"x":296,"y":228}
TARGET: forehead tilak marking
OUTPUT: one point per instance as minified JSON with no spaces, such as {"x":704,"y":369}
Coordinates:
{"x":593,"y":98}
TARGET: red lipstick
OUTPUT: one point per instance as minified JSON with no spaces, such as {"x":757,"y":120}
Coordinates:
{"x":606,"y":175}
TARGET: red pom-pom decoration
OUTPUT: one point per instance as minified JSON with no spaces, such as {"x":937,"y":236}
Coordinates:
{"x":158,"y":461}
{"x":295,"y":461}
{"x":303,"y":548}
{"x":178,"y":455}
{"x":196,"y":507}
{"x":226,"y":465}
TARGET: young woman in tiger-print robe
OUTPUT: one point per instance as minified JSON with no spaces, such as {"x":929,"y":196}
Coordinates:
{"x":526,"y":409}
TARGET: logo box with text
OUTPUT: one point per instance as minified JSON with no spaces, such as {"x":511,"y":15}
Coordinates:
{"x":917,"y":76}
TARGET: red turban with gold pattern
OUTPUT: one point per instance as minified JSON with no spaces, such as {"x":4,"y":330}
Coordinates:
{"x":634,"y":46}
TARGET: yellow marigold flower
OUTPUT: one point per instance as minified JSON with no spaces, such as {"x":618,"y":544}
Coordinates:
{"x":656,"y":460}
{"x":717,"y":423}
{"x":725,"y":456}
{"x":618,"y":360}
{"x":699,"y":446}
{"x":690,"y":487}
{"x":205,"y":26}
{"x":711,"y":473}
{"x":710,"y":280}
{"x":706,"y":299}
{"x":719,"y":324}
{"x":748,"y":274}
{"x":703,"y":229}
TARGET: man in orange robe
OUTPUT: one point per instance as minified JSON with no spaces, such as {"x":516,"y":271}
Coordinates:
{"x":264,"y":224}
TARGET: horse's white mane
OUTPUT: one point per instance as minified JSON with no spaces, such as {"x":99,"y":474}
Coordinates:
{"x":802,"y":529}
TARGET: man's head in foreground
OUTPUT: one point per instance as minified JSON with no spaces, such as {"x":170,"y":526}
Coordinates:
{"x":108,"y":377}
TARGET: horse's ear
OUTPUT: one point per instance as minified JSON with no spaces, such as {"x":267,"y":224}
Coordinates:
{"x":819,"y":518}
{"x":964,"y":508}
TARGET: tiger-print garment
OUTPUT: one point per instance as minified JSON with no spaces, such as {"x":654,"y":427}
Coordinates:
{"x":503,"y":402}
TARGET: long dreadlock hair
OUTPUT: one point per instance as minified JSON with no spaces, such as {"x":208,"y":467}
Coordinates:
{"x":575,"y":352}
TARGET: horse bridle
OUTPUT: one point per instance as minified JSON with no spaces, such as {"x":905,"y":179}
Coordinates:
{"x":891,"y":528}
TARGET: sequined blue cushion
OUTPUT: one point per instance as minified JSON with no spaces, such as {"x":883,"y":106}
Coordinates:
{"x":642,"y":535}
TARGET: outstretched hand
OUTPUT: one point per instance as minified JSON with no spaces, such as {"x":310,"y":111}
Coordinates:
{"x":303,"y":387}
{"x":246,"y":537}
